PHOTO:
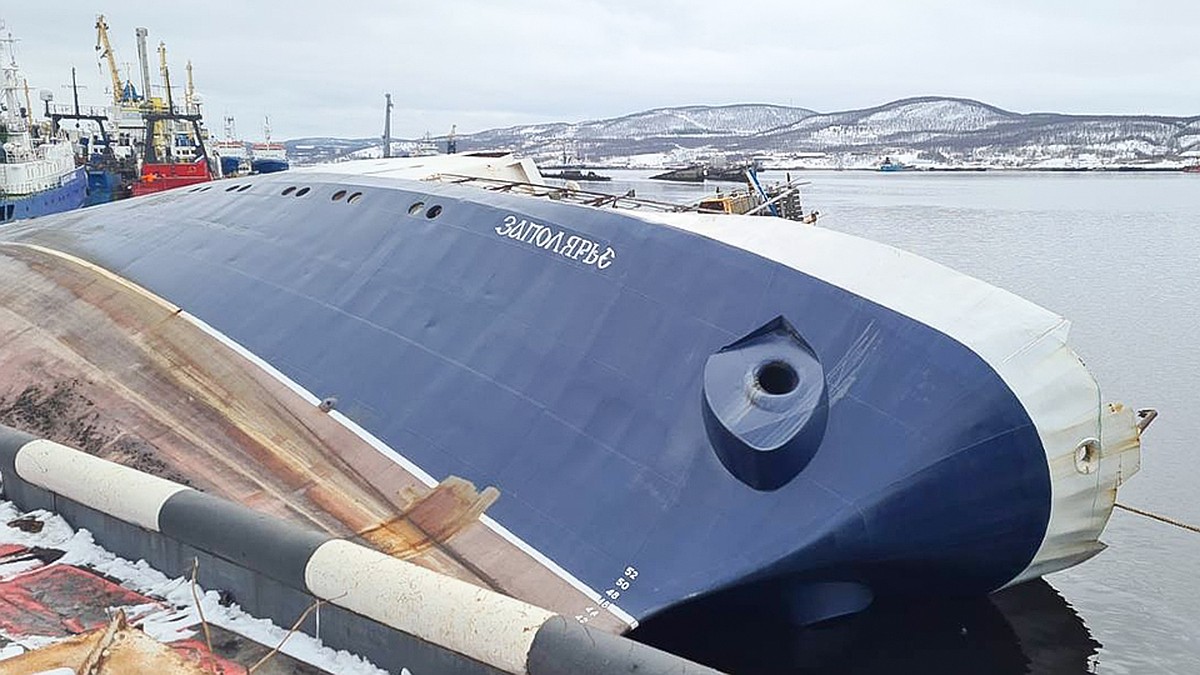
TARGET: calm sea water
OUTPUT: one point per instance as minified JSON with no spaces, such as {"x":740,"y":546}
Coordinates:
{"x":1119,"y":255}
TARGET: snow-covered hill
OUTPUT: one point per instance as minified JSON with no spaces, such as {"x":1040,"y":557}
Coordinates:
{"x":932,"y":130}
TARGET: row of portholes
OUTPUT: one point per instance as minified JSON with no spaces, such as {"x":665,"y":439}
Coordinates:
{"x":237,"y":186}
{"x":430,"y":213}
{"x":414,"y":210}
{"x":337,"y":196}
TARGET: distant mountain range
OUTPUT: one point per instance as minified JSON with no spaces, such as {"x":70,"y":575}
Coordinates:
{"x":931,"y":131}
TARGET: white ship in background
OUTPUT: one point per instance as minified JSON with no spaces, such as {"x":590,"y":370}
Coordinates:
{"x":268,"y":157}
{"x":232,"y":151}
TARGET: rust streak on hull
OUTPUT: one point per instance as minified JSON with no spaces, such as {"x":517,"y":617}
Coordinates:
{"x":93,"y":361}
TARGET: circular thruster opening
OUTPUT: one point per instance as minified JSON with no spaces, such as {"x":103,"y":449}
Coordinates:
{"x":777,"y":378}
{"x":433,"y":212}
{"x":301,"y":192}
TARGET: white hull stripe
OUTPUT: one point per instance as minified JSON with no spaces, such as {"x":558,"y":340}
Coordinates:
{"x":354,"y":428}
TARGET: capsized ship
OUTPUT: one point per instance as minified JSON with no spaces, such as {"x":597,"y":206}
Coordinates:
{"x":601,"y":407}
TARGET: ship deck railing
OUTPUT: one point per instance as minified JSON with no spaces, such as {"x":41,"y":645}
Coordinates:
{"x":565,"y":193}
{"x":576,"y":195}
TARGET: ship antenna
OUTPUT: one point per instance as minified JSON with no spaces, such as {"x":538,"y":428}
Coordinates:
{"x":10,"y":75}
{"x":387,"y":126}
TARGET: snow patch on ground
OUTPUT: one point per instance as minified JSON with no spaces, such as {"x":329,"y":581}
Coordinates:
{"x":178,"y":619}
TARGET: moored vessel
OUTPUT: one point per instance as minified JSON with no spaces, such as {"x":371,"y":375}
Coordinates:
{"x":38,"y":175}
{"x":268,"y":157}
{"x":888,"y":165}
{"x":175,"y":142}
{"x":695,"y":173}
{"x":231,"y":151}
{"x":588,"y":176}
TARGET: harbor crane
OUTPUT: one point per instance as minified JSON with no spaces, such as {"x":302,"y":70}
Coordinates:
{"x":106,"y":52}
{"x":166,"y":73}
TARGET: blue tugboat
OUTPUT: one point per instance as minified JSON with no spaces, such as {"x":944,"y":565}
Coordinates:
{"x":38,"y":175}
{"x":659,"y":407}
{"x":888,"y":165}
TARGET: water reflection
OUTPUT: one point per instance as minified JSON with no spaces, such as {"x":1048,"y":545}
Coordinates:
{"x":1027,"y":629}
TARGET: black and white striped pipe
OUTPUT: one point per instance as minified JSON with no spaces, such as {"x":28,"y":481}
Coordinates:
{"x":506,"y":634}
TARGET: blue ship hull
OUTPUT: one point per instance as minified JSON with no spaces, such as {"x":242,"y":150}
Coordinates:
{"x":667,"y":417}
{"x":67,"y":197}
{"x":268,"y":165}
{"x":230,"y":165}
{"x":105,"y":186}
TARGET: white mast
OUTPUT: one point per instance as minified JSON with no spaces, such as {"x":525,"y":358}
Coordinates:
{"x":10,"y":81}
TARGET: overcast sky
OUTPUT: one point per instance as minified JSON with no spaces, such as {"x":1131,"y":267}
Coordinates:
{"x":320,"y":67}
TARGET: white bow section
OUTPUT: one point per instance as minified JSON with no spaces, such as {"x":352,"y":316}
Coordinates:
{"x":1025,"y":344}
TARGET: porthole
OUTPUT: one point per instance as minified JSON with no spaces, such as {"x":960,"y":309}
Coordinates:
{"x":354,"y":198}
{"x":416,"y":208}
{"x":245,"y":187}
{"x":433,"y":212}
{"x":289,"y":190}
{"x":337,"y":196}
{"x":231,"y":188}
{"x":301,"y":192}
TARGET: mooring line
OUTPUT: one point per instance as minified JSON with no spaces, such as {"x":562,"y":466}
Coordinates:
{"x":1161,"y":519}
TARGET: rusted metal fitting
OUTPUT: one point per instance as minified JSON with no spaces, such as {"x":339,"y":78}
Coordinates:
{"x":1145,"y":417}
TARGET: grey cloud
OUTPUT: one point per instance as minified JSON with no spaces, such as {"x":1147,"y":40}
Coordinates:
{"x":320,"y":68}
